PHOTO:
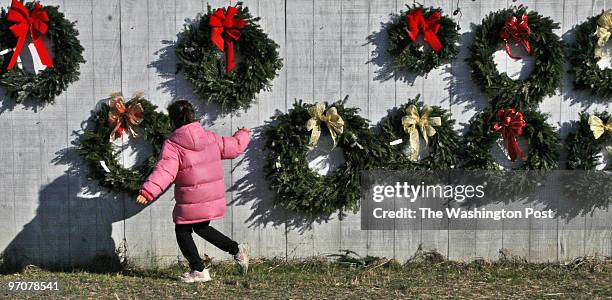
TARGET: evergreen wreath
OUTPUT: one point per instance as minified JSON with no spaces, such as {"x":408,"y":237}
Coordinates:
{"x":545,"y":45}
{"x":583,"y":147}
{"x":300,"y":189}
{"x":590,"y":186}
{"x":443,"y":145}
{"x":541,"y":137}
{"x":95,"y":147}
{"x":213,"y":79}
{"x":587,"y":75}
{"x":410,"y":56}
{"x":514,"y":184}
{"x":51,"y":82}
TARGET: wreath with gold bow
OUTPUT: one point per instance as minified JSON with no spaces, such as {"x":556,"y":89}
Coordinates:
{"x":206,"y":52}
{"x":591,"y":137}
{"x":439,"y":33}
{"x":586,"y":52}
{"x":405,"y":128}
{"x":40,"y":24}
{"x":136,"y":118}
{"x":289,"y":138}
{"x":533,"y":32}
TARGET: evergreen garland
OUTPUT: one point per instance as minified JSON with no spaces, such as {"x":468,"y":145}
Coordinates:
{"x":541,"y":137}
{"x":584,"y":64}
{"x":547,"y":49}
{"x":95,"y":147}
{"x":51,"y":82}
{"x":300,"y":189}
{"x":204,"y":66}
{"x":410,"y":56}
{"x":444,"y":146}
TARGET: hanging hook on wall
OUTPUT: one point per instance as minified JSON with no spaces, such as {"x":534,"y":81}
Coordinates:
{"x":458,"y":12}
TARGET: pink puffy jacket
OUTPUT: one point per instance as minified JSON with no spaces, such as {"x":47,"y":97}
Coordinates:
{"x":191,"y":158}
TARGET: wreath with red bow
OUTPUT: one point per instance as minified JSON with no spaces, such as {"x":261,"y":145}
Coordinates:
{"x":38,"y":23}
{"x":535,"y":34}
{"x":487,"y":127}
{"x":136,"y":118}
{"x":508,"y":124}
{"x":206,"y":51}
{"x":439,"y":33}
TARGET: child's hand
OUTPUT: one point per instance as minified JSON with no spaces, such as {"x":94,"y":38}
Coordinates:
{"x":141,"y":200}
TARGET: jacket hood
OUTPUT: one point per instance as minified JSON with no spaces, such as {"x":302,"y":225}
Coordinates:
{"x":192,"y":136}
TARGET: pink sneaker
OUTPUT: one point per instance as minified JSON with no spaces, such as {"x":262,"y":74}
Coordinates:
{"x":195,"y":276}
{"x":242,"y":258}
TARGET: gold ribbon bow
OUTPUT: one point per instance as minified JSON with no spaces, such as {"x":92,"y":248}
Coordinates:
{"x":599,"y":128}
{"x":603,"y":32}
{"x":318,"y":114}
{"x":412,"y":122}
{"x":123,"y":118}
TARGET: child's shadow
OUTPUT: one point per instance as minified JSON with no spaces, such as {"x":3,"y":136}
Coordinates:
{"x":73,"y":225}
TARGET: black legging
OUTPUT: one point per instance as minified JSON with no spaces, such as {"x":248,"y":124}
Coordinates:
{"x":207,"y":232}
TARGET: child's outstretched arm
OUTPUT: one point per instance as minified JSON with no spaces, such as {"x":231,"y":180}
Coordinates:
{"x":163,"y":174}
{"x":232,"y":146}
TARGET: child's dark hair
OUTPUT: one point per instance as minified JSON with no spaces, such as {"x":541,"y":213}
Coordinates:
{"x":181,"y":113}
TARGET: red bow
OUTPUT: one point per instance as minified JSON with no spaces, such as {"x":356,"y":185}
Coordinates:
{"x":225,"y":30}
{"x":35,"y":24}
{"x":517,"y":32}
{"x":430,"y":28}
{"x":510,"y":127}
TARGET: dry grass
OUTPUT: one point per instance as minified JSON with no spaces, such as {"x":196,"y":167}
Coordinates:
{"x":426,"y":277}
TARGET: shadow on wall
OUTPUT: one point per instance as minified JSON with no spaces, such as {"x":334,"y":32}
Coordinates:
{"x":10,"y":104}
{"x":462,"y":88}
{"x":253,"y":189}
{"x":388,"y":70}
{"x":569,"y":194}
{"x":73,"y":225}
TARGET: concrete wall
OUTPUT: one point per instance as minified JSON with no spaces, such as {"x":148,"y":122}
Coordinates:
{"x":51,"y":214}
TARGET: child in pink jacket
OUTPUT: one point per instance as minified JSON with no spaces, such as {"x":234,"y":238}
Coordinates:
{"x":191,"y":158}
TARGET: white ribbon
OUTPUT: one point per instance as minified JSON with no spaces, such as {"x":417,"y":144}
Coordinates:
{"x":104,"y":166}
{"x":396,"y":142}
{"x":36,"y":62}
